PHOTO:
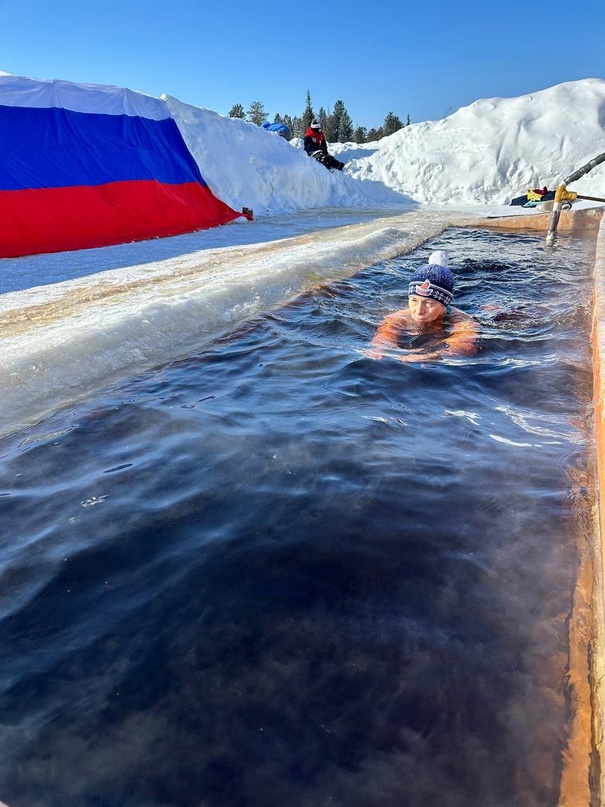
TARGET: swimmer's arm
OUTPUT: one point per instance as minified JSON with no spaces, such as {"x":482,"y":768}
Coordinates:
{"x":462,"y":340}
{"x":387,"y":334}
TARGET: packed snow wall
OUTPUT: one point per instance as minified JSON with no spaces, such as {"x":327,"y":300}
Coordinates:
{"x":84,"y":165}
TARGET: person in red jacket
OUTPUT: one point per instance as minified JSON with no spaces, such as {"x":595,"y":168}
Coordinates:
{"x":315,"y":145}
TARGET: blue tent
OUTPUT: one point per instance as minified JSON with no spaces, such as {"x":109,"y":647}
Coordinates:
{"x":280,"y":128}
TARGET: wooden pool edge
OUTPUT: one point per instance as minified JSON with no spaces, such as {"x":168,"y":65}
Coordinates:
{"x":597,"y":646}
{"x":583,"y":766}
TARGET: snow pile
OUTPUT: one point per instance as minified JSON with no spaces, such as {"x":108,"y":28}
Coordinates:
{"x":483,"y":154}
{"x":246,"y":166}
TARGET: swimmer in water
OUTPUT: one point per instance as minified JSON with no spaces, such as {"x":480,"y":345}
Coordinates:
{"x":428,"y":313}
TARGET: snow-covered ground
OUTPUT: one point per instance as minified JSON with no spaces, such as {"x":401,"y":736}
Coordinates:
{"x":483,"y":154}
{"x":72,"y":322}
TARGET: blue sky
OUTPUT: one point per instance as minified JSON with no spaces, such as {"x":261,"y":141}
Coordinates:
{"x":426,"y":60}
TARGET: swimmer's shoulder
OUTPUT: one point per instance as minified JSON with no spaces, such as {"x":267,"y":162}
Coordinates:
{"x":456,"y":315}
{"x":399,"y":318}
{"x":462,"y":323}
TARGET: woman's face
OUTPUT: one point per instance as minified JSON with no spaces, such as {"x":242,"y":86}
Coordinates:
{"x":425,"y":310}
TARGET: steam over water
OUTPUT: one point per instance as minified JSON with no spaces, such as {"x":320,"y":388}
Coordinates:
{"x":282,"y":573}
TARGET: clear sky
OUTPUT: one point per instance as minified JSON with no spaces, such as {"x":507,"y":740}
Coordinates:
{"x":426,"y":59}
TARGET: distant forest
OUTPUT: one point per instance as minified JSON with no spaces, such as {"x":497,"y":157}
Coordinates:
{"x":337,"y":126}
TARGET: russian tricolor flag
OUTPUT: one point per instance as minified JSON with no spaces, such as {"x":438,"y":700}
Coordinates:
{"x":85,"y":165}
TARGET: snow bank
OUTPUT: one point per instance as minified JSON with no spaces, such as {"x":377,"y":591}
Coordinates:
{"x":483,"y":154}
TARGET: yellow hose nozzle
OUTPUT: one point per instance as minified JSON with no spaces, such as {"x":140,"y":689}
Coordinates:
{"x":563,"y":195}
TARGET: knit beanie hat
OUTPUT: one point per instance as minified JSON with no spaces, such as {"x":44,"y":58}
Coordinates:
{"x":432,"y":280}
{"x":315,"y":124}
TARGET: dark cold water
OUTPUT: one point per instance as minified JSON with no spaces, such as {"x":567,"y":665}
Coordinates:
{"x":283,"y":574}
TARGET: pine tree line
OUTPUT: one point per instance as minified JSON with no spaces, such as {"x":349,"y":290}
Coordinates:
{"x":337,"y":125}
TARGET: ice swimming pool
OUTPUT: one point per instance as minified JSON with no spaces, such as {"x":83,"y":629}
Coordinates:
{"x":279,"y":572}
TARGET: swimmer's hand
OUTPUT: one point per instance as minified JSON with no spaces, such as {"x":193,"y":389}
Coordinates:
{"x":399,"y":355}
{"x":408,"y":358}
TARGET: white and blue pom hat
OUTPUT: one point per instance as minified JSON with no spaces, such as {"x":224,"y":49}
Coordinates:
{"x":434,"y":279}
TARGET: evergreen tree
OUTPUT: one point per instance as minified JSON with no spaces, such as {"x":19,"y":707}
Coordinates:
{"x":323,"y":118}
{"x":339,"y":127}
{"x":308,"y":114}
{"x":391,"y":124}
{"x":237,"y":111}
{"x":298,"y":129}
{"x":374,"y":134}
{"x":346,"y":126}
{"x":329,"y":127}
{"x":256,"y":113}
